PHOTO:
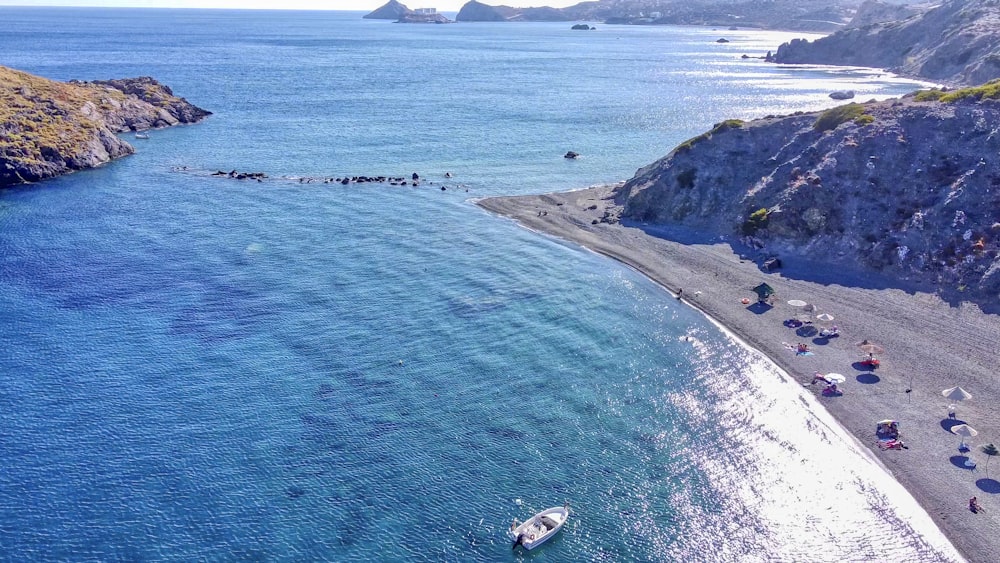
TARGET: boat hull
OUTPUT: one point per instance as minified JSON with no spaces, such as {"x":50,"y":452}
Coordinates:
{"x":540,"y":528}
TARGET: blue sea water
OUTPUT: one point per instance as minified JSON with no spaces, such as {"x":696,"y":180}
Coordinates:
{"x":202,"y":369}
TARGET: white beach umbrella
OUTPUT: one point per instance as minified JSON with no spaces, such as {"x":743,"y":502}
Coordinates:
{"x":965,"y":431}
{"x":956,"y":394}
{"x":797,"y":303}
{"x":869,"y":347}
{"x":835,"y":377}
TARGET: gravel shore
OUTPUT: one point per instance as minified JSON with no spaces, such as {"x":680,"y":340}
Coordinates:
{"x":930,"y":345}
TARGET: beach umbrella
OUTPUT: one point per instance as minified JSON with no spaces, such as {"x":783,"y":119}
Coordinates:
{"x":763,"y":291}
{"x":956,"y":394}
{"x":965,"y":431}
{"x":797,"y":303}
{"x":825,"y":317}
{"x":990,"y":450}
{"x":869,"y":347}
{"x":835,"y":378}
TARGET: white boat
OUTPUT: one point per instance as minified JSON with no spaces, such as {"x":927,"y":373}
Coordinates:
{"x":141,"y":135}
{"x":539,"y":528}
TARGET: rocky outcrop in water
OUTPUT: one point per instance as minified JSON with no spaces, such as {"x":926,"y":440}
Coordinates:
{"x":956,"y":42}
{"x":474,"y":11}
{"x":50,"y":128}
{"x":391,"y":10}
{"x":905,"y":187}
{"x":416,"y":17}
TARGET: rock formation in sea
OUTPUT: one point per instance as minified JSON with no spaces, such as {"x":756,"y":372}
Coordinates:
{"x":474,"y":11}
{"x":391,"y":10}
{"x":955,"y":42}
{"x":423,"y":17}
{"x":907,"y":187}
{"x":52,"y":128}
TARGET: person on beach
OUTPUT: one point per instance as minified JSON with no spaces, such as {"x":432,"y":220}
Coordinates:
{"x":974,"y":505}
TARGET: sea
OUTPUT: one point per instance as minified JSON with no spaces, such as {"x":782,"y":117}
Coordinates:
{"x":198,"y":368}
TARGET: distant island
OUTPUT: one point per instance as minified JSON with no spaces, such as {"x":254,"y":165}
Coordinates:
{"x":52,"y":128}
{"x":803,"y":15}
{"x":394,"y":10}
{"x":955,"y":42}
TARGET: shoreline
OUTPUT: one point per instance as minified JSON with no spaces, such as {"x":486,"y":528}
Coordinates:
{"x":930,"y":346}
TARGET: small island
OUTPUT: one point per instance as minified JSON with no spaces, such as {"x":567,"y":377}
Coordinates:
{"x":53,"y":128}
{"x":395,"y":10}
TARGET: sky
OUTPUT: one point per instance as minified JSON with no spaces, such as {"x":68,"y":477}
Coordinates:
{"x":359,"y":5}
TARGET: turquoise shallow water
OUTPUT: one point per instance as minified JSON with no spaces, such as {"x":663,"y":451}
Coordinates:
{"x":194,"y":368}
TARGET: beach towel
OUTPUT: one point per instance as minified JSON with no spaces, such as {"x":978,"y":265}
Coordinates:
{"x":795,"y":348}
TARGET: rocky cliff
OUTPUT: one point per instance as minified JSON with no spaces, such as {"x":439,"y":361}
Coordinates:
{"x":908,"y":187}
{"x":875,"y":11}
{"x":956,"y":42}
{"x":49,"y":128}
{"x":391,"y":10}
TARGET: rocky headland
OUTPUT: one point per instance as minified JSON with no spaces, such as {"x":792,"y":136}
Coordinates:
{"x":906,"y":188}
{"x":474,"y":11}
{"x":955,"y":42}
{"x":51,"y":128}
{"x":805,"y":15}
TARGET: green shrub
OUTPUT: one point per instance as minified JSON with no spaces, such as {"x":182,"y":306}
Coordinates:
{"x":756,"y":221}
{"x":987,"y":91}
{"x":832,"y":118}
{"x":932,"y":95}
{"x":727,"y":124}
{"x":719,"y":127}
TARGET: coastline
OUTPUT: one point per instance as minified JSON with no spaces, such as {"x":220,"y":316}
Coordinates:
{"x":930,"y":345}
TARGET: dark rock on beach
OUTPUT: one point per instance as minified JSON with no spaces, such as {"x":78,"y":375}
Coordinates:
{"x":52,"y":128}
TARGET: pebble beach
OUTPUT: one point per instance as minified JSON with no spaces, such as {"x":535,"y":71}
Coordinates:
{"x":930,"y":345}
